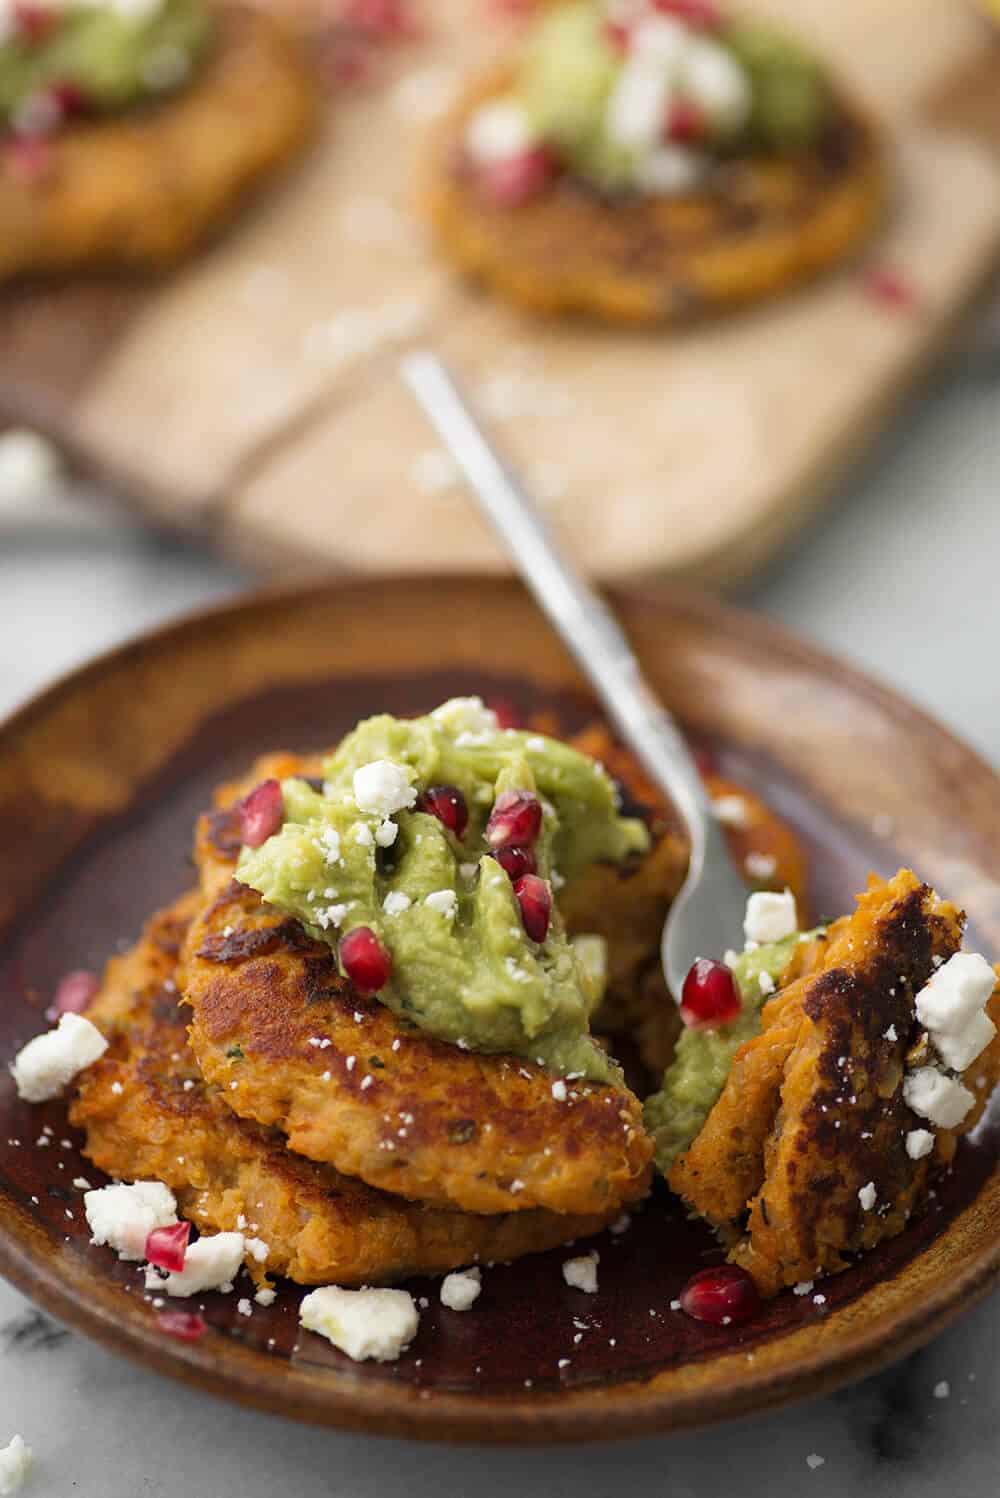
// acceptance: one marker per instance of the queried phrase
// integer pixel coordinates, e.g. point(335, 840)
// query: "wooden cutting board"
point(252, 398)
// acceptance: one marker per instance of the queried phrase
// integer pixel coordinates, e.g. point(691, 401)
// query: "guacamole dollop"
point(694, 1080)
point(111, 55)
point(365, 851)
point(649, 103)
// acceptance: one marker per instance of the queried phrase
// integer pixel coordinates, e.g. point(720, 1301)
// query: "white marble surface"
point(901, 575)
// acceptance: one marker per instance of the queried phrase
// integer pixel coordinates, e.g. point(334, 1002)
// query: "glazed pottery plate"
point(100, 782)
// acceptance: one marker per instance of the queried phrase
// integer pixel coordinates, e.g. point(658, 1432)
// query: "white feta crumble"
point(770, 917)
point(867, 1196)
point(266, 1296)
point(766, 983)
point(47, 1064)
point(210, 1264)
point(731, 811)
point(813, 1461)
point(950, 1007)
point(362, 834)
point(919, 1142)
point(396, 902)
point(581, 1273)
point(804, 1287)
point(257, 1249)
point(376, 1324)
point(933, 1095)
point(496, 132)
point(892, 1035)
point(384, 787)
point(444, 901)
point(15, 1464)
point(461, 1289)
point(942, 1390)
point(244, 1307)
point(124, 1216)
point(466, 715)
point(761, 865)
point(638, 104)
point(559, 1090)
point(716, 83)
point(386, 833)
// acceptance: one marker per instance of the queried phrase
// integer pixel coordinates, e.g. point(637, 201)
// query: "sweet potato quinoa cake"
point(377, 1039)
point(127, 136)
point(648, 161)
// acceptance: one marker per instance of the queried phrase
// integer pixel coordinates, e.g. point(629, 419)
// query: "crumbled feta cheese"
point(383, 787)
point(669, 170)
point(461, 1290)
point(396, 902)
point(377, 1324)
point(244, 1307)
point(257, 1249)
point(732, 811)
point(950, 1007)
point(931, 1094)
point(362, 834)
point(765, 983)
point(15, 1464)
point(714, 81)
point(581, 1273)
point(466, 715)
point(892, 1035)
point(444, 901)
point(47, 1064)
point(265, 1296)
point(760, 865)
point(803, 1287)
point(559, 1090)
point(770, 917)
point(919, 1142)
point(814, 1462)
point(210, 1264)
point(124, 1216)
point(867, 1196)
point(942, 1390)
point(638, 105)
point(496, 132)
point(386, 833)
point(468, 870)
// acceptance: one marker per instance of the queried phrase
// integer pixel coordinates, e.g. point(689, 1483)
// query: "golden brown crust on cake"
point(166, 1124)
point(768, 222)
point(143, 188)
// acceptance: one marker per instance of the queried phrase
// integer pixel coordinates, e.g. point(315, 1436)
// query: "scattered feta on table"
point(15, 1464)
point(124, 1216)
point(210, 1264)
point(581, 1273)
point(770, 916)
point(461, 1289)
point(47, 1064)
point(376, 1324)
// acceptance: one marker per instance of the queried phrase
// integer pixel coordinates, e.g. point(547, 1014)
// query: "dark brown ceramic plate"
point(100, 781)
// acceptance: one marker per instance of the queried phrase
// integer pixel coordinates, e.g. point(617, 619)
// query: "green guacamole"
point(694, 1080)
point(113, 58)
point(463, 967)
point(570, 69)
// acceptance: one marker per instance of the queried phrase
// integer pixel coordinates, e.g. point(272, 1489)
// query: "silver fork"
point(706, 917)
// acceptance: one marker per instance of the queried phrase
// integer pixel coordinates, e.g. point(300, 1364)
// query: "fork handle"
point(580, 616)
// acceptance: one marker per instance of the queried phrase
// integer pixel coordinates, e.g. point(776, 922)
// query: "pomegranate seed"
point(73, 994)
point(685, 122)
point(891, 289)
point(71, 99)
point(617, 36)
point(515, 862)
point(722, 1296)
point(535, 899)
point(703, 13)
point(514, 181)
point(186, 1326)
point(33, 22)
point(261, 813)
point(364, 959)
point(507, 714)
point(515, 821)
point(166, 1248)
point(447, 803)
point(28, 160)
point(385, 19)
point(709, 997)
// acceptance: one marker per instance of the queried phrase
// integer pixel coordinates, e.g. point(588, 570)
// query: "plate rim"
point(592, 1413)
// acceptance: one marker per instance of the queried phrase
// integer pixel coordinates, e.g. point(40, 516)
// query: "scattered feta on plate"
point(49, 1063)
point(950, 1007)
point(15, 1464)
point(461, 1289)
point(124, 1216)
point(383, 787)
point(581, 1273)
point(210, 1264)
point(377, 1324)
point(931, 1094)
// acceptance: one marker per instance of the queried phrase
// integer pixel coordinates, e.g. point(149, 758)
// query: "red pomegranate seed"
point(703, 13)
point(166, 1248)
point(33, 22)
point(515, 862)
point(447, 803)
point(515, 821)
point(364, 959)
point(506, 713)
point(891, 289)
point(617, 36)
point(535, 899)
point(514, 181)
point(71, 99)
point(73, 994)
point(186, 1326)
point(29, 160)
point(709, 997)
point(723, 1296)
point(685, 122)
point(261, 813)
